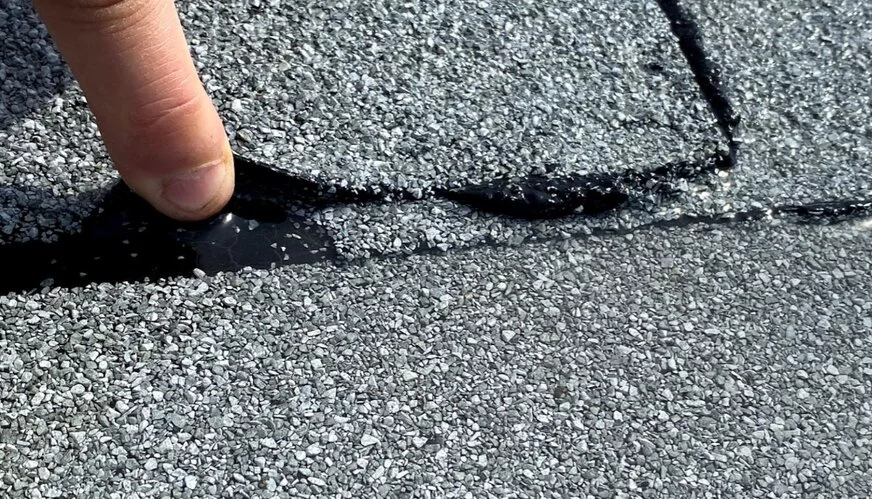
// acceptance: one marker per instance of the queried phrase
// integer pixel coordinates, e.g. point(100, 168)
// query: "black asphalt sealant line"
point(706, 74)
point(127, 240)
point(544, 197)
point(817, 213)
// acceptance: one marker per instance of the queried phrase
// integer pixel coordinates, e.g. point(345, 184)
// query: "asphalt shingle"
point(588, 357)
point(696, 361)
point(798, 73)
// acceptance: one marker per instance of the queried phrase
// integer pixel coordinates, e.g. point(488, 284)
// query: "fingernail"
point(192, 191)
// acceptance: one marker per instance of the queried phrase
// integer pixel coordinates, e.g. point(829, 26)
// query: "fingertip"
point(159, 126)
point(194, 194)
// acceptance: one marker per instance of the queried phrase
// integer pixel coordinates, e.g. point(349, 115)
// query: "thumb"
point(160, 127)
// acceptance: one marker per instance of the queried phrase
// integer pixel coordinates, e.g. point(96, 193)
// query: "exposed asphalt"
point(661, 350)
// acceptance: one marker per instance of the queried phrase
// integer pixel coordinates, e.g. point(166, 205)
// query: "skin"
point(160, 128)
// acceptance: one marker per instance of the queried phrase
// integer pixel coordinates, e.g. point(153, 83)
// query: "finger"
point(160, 127)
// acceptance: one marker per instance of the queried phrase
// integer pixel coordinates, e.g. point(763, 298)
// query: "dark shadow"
point(32, 73)
point(539, 197)
point(265, 223)
point(125, 239)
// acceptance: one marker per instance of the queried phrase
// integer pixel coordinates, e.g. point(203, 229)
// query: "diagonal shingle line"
point(704, 69)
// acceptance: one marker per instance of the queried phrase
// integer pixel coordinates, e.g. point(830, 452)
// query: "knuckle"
point(160, 116)
point(100, 12)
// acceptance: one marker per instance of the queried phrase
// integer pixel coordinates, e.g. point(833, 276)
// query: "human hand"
point(160, 127)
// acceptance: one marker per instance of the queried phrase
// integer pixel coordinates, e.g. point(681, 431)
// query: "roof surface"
point(701, 344)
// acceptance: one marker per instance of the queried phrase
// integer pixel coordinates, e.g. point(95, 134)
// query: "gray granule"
point(429, 92)
point(707, 361)
point(666, 363)
point(798, 72)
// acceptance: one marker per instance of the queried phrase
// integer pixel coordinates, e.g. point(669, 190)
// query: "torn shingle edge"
point(553, 196)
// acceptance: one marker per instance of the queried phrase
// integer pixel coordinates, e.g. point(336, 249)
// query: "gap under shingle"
point(265, 225)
